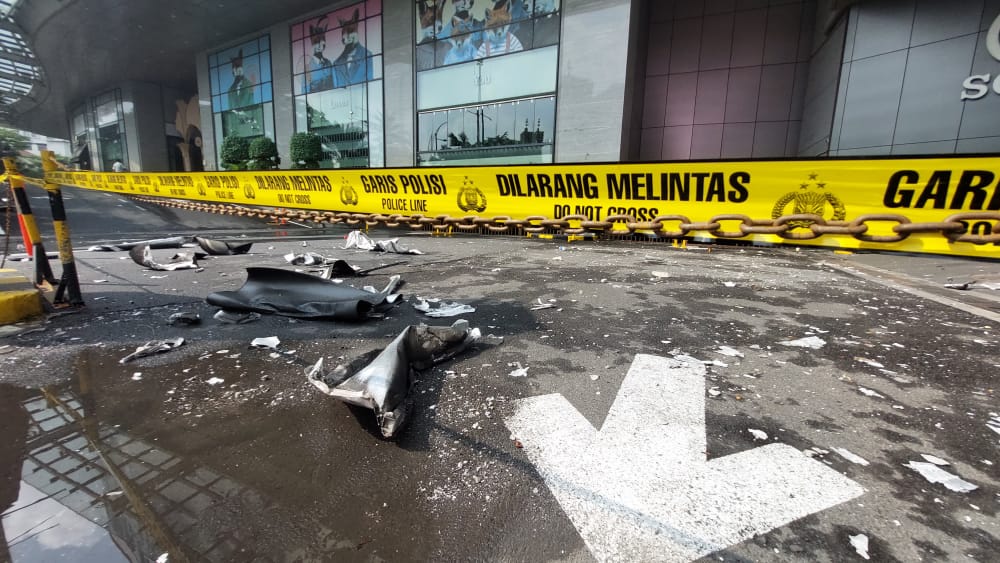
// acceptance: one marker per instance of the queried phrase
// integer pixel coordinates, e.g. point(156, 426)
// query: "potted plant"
point(306, 150)
point(235, 153)
point(263, 154)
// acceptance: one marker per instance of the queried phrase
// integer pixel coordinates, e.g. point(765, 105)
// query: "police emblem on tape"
point(248, 191)
point(811, 198)
point(471, 198)
point(348, 195)
point(201, 189)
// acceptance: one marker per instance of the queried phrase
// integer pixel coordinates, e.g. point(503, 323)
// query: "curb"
point(19, 299)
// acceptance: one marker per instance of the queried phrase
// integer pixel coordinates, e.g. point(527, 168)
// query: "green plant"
point(263, 154)
point(306, 150)
point(235, 153)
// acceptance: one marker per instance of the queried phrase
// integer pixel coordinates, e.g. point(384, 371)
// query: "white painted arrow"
point(642, 489)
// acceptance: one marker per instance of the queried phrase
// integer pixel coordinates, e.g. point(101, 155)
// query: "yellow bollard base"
point(19, 299)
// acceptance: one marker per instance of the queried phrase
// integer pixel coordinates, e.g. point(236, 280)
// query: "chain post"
point(43, 271)
point(69, 285)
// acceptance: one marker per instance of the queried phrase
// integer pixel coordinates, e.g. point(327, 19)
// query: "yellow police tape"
point(923, 190)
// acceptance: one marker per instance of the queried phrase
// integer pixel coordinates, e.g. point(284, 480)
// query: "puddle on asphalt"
point(116, 468)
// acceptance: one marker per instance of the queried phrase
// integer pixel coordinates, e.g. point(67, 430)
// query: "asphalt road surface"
point(715, 403)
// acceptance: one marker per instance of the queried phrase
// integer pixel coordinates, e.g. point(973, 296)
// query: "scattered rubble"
point(357, 239)
point(813, 342)
point(222, 248)
point(155, 244)
point(153, 347)
point(142, 256)
point(184, 319)
point(441, 308)
point(860, 544)
point(935, 474)
point(233, 317)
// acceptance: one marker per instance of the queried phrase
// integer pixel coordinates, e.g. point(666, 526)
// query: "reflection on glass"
point(337, 58)
point(501, 133)
point(340, 118)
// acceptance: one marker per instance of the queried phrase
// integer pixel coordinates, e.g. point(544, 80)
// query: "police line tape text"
point(667, 186)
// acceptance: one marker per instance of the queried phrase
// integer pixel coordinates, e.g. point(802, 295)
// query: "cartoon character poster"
point(465, 30)
point(241, 75)
point(338, 49)
point(241, 82)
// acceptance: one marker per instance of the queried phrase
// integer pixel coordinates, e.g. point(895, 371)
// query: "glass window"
point(517, 132)
point(457, 31)
point(337, 72)
point(241, 84)
point(520, 75)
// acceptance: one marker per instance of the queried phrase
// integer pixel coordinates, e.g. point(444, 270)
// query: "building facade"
point(398, 83)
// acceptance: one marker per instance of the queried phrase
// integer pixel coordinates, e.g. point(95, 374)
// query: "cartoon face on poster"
point(335, 50)
point(241, 76)
point(473, 29)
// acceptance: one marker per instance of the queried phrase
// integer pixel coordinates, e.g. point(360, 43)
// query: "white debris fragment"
point(442, 309)
point(137, 376)
point(935, 474)
point(728, 351)
point(268, 342)
point(714, 391)
point(860, 544)
point(715, 363)
point(870, 393)
point(813, 342)
point(661, 274)
point(163, 558)
point(520, 371)
point(542, 305)
point(872, 363)
point(594, 377)
point(214, 381)
point(757, 434)
point(994, 422)
point(814, 451)
point(729, 284)
point(850, 456)
point(934, 459)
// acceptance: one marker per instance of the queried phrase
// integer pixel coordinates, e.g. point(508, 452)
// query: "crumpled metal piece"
point(296, 294)
point(306, 259)
point(271, 342)
point(442, 308)
point(331, 267)
point(153, 347)
point(171, 242)
point(142, 256)
point(235, 318)
point(222, 248)
point(357, 239)
point(184, 318)
point(384, 384)
point(974, 284)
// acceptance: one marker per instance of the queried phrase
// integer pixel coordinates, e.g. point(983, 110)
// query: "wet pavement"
point(102, 460)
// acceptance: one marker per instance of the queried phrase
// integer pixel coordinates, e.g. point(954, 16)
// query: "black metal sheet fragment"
point(296, 294)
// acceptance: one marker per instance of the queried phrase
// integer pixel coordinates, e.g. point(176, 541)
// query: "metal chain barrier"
point(790, 227)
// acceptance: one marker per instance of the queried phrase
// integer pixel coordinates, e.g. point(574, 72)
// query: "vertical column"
point(69, 285)
point(284, 101)
point(207, 117)
point(43, 271)
point(593, 64)
point(398, 37)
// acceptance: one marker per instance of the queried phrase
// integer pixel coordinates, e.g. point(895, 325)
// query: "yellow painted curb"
point(19, 300)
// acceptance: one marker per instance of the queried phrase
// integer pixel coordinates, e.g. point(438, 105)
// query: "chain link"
point(971, 227)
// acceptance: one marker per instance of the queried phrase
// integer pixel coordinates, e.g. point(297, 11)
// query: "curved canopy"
point(21, 78)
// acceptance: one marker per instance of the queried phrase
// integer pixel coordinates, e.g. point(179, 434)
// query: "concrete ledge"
point(19, 299)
